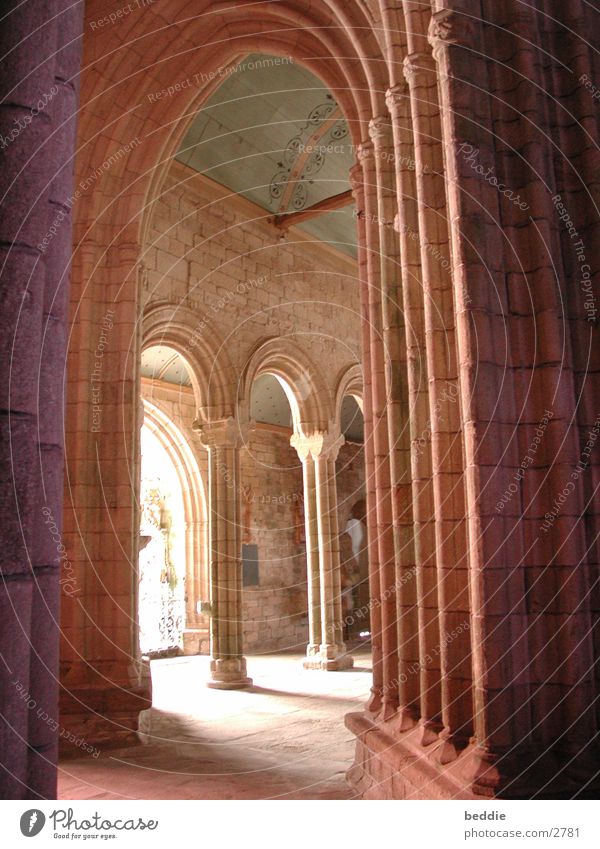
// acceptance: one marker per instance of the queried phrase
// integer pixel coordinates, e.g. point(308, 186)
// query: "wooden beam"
point(290, 219)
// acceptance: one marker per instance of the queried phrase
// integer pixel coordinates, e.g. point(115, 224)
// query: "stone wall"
point(216, 257)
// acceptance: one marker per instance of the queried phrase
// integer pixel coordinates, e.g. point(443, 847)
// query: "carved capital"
point(302, 444)
point(365, 150)
point(448, 27)
point(222, 433)
point(318, 445)
point(396, 97)
point(356, 180)
point(418, 67)
point(380, 131)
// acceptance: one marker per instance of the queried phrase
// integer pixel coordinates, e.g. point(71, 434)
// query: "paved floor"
point(283, 738)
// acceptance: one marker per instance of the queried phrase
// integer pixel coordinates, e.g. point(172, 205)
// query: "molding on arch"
point(211, 372)
point(350, 383)
point(301, 379)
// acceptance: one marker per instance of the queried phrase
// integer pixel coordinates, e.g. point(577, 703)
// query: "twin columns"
point(224, 440)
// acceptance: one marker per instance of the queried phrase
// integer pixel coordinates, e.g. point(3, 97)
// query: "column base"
point(95, 719)
point(393, 761)
point(196, 641)
point(228, 674)
point(328, 658)
point(99, 706)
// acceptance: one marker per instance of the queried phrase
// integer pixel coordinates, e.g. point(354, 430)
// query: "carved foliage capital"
point(321, 444)
point(222, 433)
point(380, 129)
point(365, 150)
point(395, 97)
point(448, 27)
point(418, 67)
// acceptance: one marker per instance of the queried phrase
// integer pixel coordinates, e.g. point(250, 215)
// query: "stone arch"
point(332, 32)
point(350, 383)
point(211, 372)
point(300, 378)
point(194, 502)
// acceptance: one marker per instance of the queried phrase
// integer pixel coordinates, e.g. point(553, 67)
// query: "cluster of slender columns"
point(318, 453)
point(466, 668)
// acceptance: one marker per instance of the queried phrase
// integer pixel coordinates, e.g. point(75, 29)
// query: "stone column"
point(100, 652)
point(320, 480)
point(41, 48)
point(398, 573)
point(501, 698)
point(453, 646)
point(333, 651)
point(425, 683)
point(385, 565)
point(357, 180)
point(302, 446)
point(223, 440)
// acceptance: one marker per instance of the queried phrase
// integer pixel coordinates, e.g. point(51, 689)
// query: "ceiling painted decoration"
point(164, 363)
point(268, 402)
point(274, 133)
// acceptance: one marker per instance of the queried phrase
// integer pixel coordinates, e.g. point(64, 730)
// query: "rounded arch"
point(350, 383)
point(197, 342)
point(194, 502)
point(307, 391)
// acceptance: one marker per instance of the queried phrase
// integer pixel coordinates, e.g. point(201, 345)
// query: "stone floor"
point(284, 738)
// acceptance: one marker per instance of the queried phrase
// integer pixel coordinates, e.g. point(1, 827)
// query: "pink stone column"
point(100, 636)
point(228, 665)
point(551, 340)
point(454, 643)
point(501, 712)
point(357, 179)
point(380, 435)
point(399, 575)
point(41, 46)
point(428, 674)
point(332, 656)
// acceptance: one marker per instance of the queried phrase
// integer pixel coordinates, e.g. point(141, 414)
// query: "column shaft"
point(312, 556)
point(454, 644)
point(382, 473)
point(399, 590)
point(357, 181)
point(427, 666)
point(228, 666)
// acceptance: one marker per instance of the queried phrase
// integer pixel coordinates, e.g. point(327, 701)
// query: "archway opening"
point(226, 273)
point(173, 515)
point(273, 553)
point(162, 560)
point(354, 559)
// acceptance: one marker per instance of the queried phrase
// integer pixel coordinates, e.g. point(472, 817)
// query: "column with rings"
point(223, 440)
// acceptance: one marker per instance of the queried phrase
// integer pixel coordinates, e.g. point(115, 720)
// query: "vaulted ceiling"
point(273, 133)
